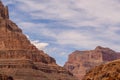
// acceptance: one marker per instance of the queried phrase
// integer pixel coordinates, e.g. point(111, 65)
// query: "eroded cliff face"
point(5, 77)
point(108, 71)
point(21, 59)
point(80, 62)
point(14, 44)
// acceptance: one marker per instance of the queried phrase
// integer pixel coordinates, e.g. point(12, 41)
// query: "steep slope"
point(21, 59)
point(108, 71)
point(80, 62)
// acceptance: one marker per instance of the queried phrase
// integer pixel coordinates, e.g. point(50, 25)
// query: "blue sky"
point(60, 27)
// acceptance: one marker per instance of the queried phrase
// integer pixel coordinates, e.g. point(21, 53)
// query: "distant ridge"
point(79, 62)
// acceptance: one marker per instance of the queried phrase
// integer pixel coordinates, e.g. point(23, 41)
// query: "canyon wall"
point(80, 62)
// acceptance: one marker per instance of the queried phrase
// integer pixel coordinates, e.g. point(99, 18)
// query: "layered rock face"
point(21, 59)
point(80, 62)
point(108, 71)
point(5, 77)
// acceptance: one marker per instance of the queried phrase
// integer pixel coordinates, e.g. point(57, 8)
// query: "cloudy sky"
point(60, 27)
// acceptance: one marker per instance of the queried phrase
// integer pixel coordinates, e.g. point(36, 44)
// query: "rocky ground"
point(108, 71)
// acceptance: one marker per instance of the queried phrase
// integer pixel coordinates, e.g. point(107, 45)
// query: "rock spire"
point(3, 11)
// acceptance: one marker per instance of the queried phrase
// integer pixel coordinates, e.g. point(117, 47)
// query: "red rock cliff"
point(108, 71)
point(21, 59)
point(79, 62)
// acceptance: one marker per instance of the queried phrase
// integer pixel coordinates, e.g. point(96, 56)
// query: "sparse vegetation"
point(109, 71)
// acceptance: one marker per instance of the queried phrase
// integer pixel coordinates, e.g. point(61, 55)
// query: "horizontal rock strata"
point(79, 62)
point(21, 59)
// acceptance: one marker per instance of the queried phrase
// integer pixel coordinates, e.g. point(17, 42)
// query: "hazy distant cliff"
point(79, 62)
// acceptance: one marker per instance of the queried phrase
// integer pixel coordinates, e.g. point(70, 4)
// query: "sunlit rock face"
point(80, 62)
point(21, 59)
point(108, 71)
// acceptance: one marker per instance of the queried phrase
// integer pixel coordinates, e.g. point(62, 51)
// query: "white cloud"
point(87, 40)
point(103, 36)
point(40, 45)
point(31, 25)
point(73, 12)
point(76, 13)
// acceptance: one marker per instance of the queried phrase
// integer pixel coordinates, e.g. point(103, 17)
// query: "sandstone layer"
point(80, 62)
point(108, 71)
point(21, 59)
point(5, 77)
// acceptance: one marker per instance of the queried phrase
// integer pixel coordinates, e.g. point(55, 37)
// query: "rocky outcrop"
point(3, 11)
point(80, 62)
point(21, 59)
point(108, 71)
point(5, 77)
